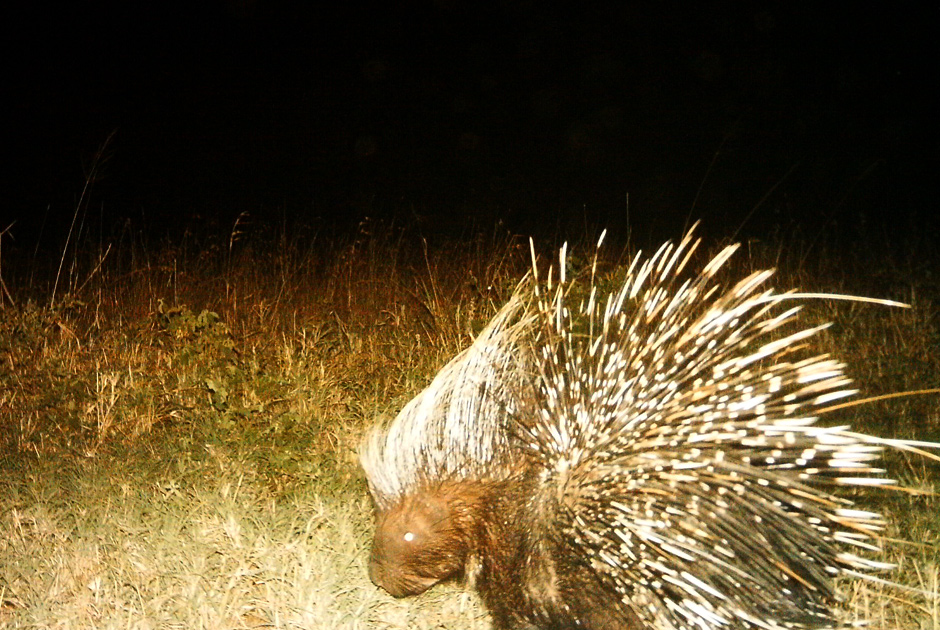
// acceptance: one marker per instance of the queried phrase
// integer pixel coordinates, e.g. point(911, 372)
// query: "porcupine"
point(646, 460)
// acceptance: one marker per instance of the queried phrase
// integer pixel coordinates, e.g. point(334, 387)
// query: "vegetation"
point(178, 425)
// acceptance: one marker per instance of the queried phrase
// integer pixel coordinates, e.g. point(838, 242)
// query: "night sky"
point(540, 115)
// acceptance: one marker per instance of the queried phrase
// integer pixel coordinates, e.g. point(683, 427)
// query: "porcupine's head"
point(425, 468)
point(426, 538)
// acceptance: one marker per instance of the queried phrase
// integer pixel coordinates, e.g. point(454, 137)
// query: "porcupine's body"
point(647, 460)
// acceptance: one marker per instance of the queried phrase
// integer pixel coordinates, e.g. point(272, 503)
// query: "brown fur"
point(488, 533)
point(427, 538)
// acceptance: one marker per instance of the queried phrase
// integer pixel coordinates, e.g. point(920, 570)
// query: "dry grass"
point(178, 432)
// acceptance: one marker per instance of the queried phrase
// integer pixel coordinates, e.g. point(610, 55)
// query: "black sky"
point(452, 110)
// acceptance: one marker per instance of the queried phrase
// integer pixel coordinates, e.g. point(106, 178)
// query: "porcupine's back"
point(673, 425)
point(654, 464)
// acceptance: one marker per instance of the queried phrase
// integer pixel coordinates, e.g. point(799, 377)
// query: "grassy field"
point(179, 423)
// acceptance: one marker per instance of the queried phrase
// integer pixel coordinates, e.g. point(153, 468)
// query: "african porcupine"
point(646, 461)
